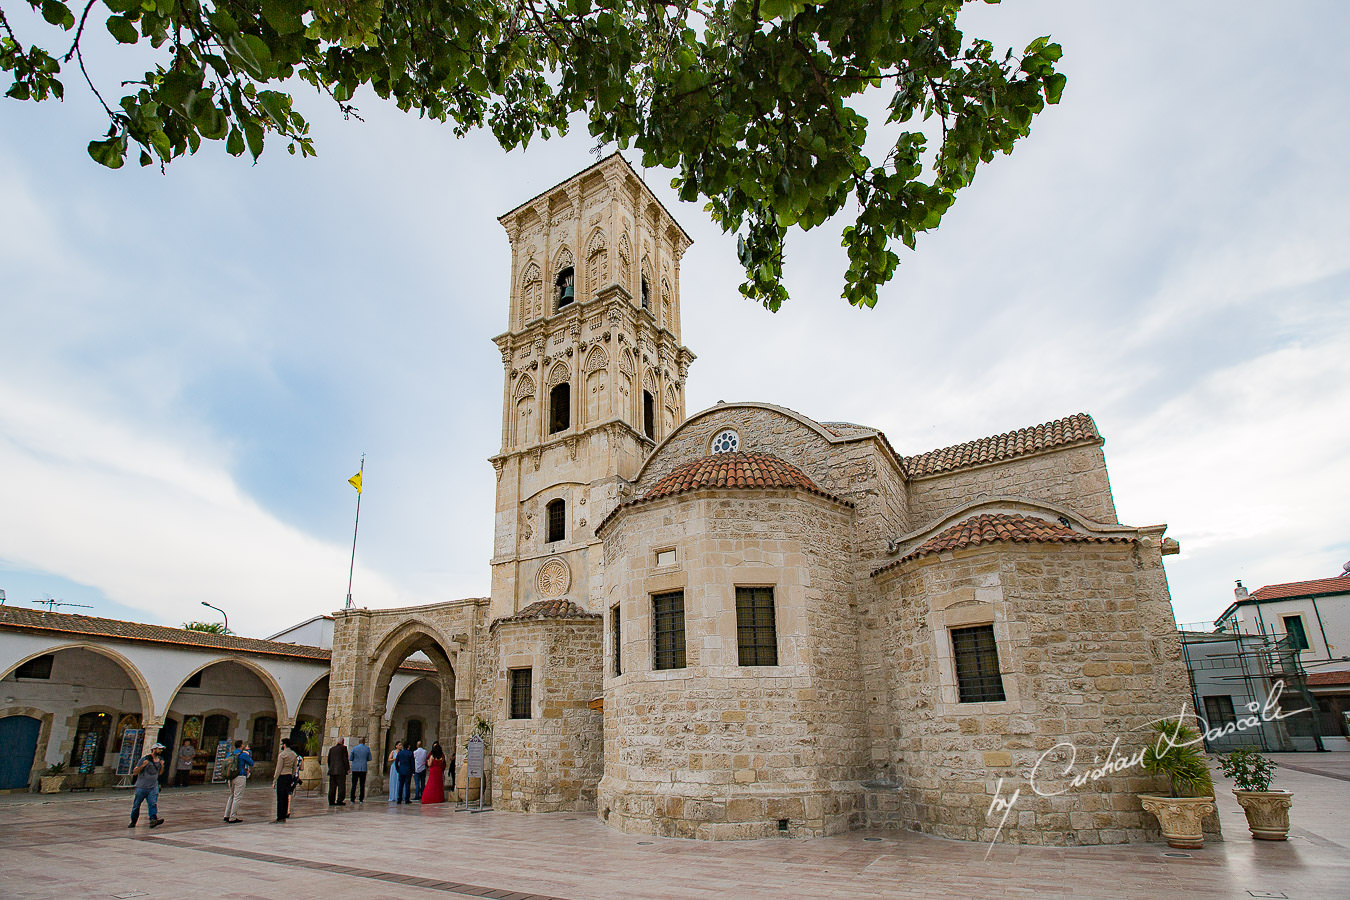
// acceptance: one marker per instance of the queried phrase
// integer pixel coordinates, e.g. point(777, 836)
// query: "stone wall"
point(717, 750)
point(1074, 477)
point(551, 761)
point(1088, 654)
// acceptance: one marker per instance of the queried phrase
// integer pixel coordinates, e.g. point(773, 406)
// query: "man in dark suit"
point(404, 762)
point(338, 766)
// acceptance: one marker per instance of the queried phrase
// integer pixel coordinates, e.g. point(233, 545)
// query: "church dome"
point(733, 470)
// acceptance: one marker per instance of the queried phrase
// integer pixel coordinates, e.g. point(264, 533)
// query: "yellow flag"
point(355, 481)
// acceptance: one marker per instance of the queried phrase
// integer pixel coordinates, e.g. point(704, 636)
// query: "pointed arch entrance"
point(413, 682)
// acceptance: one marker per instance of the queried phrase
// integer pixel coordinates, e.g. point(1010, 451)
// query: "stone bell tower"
point(594, 375)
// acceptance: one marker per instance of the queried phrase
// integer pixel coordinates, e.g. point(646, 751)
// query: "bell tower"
point(594, 375)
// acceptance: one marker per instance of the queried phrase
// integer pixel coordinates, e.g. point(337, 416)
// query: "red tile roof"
point(1315, 588)
point(990, 528)
point(1325, 678)
point(1076, 429)
point(729, 471)
point(17, 618)
point(551, 609)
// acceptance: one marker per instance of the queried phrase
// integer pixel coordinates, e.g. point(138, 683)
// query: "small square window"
point(976, 656)
point(194, 680)
point(520, 693)
point(665, 557)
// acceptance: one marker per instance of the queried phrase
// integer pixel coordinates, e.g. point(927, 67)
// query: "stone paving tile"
point(82, 847)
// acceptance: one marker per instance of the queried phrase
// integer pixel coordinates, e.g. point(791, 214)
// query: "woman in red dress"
point(434, 792)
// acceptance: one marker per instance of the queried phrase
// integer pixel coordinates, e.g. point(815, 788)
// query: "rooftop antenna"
point(1345, 570)
point(599, 148)
point(2, 597)
point(52, 603)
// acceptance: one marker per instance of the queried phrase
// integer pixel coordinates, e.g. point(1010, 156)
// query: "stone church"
point(745, 622)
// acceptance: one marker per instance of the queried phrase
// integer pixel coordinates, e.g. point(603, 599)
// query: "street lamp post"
point(222, 612)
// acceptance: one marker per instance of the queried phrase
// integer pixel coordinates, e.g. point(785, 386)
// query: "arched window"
point(646, 294)
point(560, 408)
point(648, 415)
point(566, 286)
point(557, 520)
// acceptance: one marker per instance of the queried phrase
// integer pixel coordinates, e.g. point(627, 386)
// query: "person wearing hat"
point(147, 786)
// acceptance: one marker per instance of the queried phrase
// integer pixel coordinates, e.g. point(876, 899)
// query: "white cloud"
point(156, 523)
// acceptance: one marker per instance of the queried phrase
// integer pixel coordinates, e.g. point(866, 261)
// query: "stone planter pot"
point(1267, 813)
point(1180, 818)
point(311, 773)
point(52, 784)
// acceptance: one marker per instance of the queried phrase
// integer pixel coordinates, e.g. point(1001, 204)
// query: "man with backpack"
point(147, 786)
point(238, 765)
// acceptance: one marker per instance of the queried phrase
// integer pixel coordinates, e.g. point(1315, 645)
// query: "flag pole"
point(352, 568)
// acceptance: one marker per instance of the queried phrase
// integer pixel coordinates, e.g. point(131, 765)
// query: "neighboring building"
point(1312, 620)
point(1233, 677)
point(748, 622)
point(73, 684)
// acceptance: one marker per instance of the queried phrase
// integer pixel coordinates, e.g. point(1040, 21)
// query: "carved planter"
point(1267, 813)
point(52, 784)
point(1180, 818)
point(310, 773)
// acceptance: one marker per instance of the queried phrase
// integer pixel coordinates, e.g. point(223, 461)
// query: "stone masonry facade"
point(747, 623)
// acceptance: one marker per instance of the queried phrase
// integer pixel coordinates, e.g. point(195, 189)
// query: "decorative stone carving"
point(1180, 818)
point(553, 578)
point(1267, 813)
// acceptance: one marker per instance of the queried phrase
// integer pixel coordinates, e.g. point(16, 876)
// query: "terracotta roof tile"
point(1076, 429)
point(729, 471)
point(1325, 678)
point(40, 620)
point(551, 609)
point(20, 619)
point(1315, 588)
point(990, 528)
point(732, 470)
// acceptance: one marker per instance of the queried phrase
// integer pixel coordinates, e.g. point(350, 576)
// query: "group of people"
point(415, 775)
point(418, 776)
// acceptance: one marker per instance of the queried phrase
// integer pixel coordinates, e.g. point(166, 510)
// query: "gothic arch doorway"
point(414, 682)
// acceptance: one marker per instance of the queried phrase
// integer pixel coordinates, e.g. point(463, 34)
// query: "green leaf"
point(234, 144)
point(1054, 87)
point(57, 13)
point(122, 28)
point(253, 133)
point(109, 153)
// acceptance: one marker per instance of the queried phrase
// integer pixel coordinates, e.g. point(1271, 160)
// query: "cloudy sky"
point(193, 363)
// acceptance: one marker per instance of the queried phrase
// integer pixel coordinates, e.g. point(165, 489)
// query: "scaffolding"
point(1251, 666)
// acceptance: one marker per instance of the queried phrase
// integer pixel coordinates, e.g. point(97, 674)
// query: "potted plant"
point(1176, 754)
point(53, 778)
point(1267, 811)
point(311, 773)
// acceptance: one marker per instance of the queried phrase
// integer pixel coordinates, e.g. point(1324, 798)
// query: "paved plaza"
point(79, 845)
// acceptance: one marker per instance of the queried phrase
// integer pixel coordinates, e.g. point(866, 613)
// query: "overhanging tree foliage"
point(755, 103)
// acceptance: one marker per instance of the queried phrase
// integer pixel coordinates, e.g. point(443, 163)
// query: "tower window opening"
point(557, 520)
point(646, 294)
point(566, 285)
point(648, 415)
point(560, 408)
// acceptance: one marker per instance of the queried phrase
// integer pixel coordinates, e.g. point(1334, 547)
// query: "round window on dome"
point(726, 441)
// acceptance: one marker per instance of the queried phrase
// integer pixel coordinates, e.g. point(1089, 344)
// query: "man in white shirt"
point(419, 770)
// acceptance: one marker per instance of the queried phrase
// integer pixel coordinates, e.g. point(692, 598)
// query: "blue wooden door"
point(18, 745)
